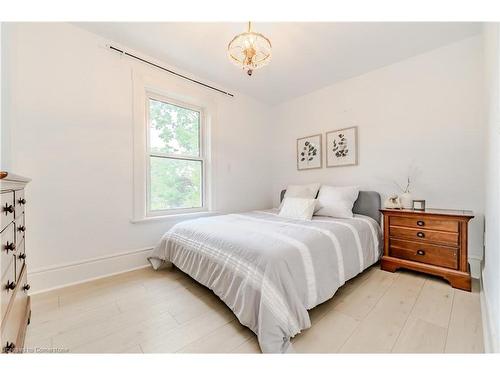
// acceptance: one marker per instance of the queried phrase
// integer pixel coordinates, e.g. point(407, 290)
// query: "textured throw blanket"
point(270, 270)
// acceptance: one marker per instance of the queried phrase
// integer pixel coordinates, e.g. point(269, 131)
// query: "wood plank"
point(381, 327)
point(362, 300)
point(167, 311)
point(318, 312)
point(434, 302)
point(129, 337)
point(465, 332)
point(250, 346)
point(420, 336)
point(426, 329)
point(187, 333)
point(327, 335)
point(223, 340)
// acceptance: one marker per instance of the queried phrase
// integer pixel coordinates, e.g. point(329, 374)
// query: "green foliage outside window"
point(174, 183)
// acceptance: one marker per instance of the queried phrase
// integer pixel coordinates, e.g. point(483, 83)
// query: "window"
point(176, 162)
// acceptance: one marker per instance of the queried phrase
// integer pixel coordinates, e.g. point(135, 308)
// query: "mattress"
point(271, 270)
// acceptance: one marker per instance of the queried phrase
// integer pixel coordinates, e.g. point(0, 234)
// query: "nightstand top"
point(428, 211)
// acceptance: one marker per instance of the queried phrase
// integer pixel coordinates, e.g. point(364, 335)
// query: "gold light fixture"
point(249, 50)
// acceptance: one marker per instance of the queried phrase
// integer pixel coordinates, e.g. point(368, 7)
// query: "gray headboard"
point(368, 203)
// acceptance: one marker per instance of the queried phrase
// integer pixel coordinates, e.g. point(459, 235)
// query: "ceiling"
point(306, 56)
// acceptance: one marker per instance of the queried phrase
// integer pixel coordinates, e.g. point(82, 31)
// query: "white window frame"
point(175, 92)
point(149, 154)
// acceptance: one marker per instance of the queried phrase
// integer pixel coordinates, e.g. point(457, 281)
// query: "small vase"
point(406, 200)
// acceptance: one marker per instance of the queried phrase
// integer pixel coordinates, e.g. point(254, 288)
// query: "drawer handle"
point(21, 228)
point(26, 287)
point(421, 234)
point(420, 223)
point(22, 256)
point(22, 201)
point(11, 246)
point(9, 347)
point(11, 285)
point(420, 252)
point(8, 209)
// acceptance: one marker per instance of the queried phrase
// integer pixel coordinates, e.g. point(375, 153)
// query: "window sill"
point(174, 217)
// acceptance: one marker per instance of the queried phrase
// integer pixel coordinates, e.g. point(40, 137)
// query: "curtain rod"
point(169, 71)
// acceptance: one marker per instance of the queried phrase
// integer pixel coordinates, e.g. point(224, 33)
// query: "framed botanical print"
point(309, 154)
point(342, 147)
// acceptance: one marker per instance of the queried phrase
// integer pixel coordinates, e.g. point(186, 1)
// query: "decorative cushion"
point(337, 201)
point(301, 191)
point(298, 208)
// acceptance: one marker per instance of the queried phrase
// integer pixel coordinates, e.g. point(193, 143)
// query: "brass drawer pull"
point(420, 223)
point(8, 209)
point(420, 252)
point(421, 234)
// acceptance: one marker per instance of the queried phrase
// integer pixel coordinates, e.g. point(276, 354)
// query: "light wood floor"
point(166, 311)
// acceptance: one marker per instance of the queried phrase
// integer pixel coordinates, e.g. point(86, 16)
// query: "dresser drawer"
point(20, 258)
point(6, 293)
point(20, 228)
point(425, 223)
point(7, 209)
point(448, 238)
point(16, 317)
point(7, 246)
point(20, 202)
point(424, 253)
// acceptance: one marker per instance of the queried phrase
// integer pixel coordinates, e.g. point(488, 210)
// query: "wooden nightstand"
point(431, 241)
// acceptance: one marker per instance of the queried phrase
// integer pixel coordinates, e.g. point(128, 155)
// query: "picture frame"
point(309, 152)
point(418, 205)
point(342, 147)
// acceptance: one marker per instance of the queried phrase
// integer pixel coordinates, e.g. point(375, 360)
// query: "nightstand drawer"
point(448, 238)
point(425, 223)
point(424, 253)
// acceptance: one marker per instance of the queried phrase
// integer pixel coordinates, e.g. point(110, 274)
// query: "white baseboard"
point(491, 344)
point(475, 267)
point(62, 275)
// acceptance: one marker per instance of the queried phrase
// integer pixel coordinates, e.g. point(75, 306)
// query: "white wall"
point(491, 270)
point(4, 100)
point(423, 114)
point(70, 119)
point(71, 131)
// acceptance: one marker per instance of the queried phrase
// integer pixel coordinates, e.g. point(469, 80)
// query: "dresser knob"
point(21, 228)
point(22, 256)
point(11, 246)
point(9, 347)
point(420, 252)
point(21, 201)
point(26, 287)
point(8, 209)
point(11, 285)
point(421, 234)
point(420, 223)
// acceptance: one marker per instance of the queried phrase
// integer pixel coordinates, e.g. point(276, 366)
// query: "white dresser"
point(14, 300)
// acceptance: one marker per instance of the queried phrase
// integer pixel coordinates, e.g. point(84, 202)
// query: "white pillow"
point(298, 208)
point(302, 191)
point(337, 201)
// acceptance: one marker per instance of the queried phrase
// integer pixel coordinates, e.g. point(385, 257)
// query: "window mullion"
point(179, 157)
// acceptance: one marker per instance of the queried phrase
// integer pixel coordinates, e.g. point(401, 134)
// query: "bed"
point(271, 270)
